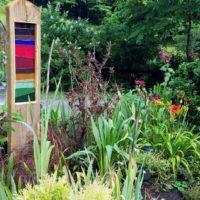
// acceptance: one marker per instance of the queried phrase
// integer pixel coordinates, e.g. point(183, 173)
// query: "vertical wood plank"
point(22, 11)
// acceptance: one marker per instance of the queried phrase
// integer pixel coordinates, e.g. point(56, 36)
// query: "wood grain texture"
point(24, 12)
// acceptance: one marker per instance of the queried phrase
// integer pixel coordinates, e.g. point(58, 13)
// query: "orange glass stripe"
point(25, 76)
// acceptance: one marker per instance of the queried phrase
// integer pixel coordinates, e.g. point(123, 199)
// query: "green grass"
point(2, 13)
point(2, 108)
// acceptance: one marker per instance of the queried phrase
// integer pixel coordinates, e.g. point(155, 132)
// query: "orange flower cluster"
point(175, 109)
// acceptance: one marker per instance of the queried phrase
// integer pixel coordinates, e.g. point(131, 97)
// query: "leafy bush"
point(49, 188)
point(157, 167)
point(94, 191)
point(57, 25)
point(193, 193)
point(115, 133)
point(187, 79)
point(177, 146)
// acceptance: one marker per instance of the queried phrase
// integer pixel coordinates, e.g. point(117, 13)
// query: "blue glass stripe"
point(25, 85)
point(25, 42)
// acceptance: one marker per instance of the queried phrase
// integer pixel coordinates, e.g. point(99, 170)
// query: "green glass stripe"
point(25, 85)
point(25, 98)
point(24, 91)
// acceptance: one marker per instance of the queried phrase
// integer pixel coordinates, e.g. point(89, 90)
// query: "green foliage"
point(95, 191)
point(136, 29)
point(5, 123)
point(116, 136)
point(57, 26)
point(193, 193)
point(48, 188)
point(7, 185)
point(42, 151)
point(92, 10)
point(180, 185)
point(168, 72)
point(156, 167)
point(2, 65)
point(187, 79)
point(125, 190)
point(68, 187)
point(177, 144)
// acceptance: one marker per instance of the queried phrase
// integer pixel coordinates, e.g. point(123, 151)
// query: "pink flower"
point(154, 97)
point(140, 83)
point(165, 57)
point(195, 54)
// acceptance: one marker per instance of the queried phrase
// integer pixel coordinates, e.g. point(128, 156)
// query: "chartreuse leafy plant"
point(85, 186)
point(95, 191)
point(49, 188)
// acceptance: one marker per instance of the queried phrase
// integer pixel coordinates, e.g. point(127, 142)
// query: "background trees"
point(137, 29)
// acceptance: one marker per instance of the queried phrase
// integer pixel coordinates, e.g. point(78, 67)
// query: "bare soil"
point(150, 192)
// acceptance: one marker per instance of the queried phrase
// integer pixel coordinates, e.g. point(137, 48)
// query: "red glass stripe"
point(22, 62)
point(27, 51)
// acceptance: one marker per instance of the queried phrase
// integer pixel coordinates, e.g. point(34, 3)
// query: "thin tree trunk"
point(188, 44)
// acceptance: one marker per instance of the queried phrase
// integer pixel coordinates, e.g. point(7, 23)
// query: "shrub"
point(56, 25)
point(49, 188)
point(52, 188)
point(193, 193)
point(158, 168)
point(187, 78)
point(95, 191)
point(177, 146)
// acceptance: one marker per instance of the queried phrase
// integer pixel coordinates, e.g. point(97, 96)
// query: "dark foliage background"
point(137, 29)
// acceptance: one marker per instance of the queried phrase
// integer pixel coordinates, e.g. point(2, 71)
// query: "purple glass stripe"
point(24, 25)
point(24, 32)
point(25, 37)
point(25, 70)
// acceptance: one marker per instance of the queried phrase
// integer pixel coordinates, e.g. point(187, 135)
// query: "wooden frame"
point(22, 11)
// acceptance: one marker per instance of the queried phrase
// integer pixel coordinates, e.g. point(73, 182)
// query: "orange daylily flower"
point(159, 102)
point(175, 109)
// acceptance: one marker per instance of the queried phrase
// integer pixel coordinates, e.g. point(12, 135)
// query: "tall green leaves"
point(115, 136)
point(108, 136)
point(43, 149)
point(7, 185)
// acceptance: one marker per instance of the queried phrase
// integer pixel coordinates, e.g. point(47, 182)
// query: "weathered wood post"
point(23, 68)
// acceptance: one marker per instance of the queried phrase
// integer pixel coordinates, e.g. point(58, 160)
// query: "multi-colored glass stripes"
point(25, 62)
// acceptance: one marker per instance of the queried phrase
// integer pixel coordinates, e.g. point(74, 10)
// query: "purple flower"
point(154, 97)
point(140, 83)
point(151, 97)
